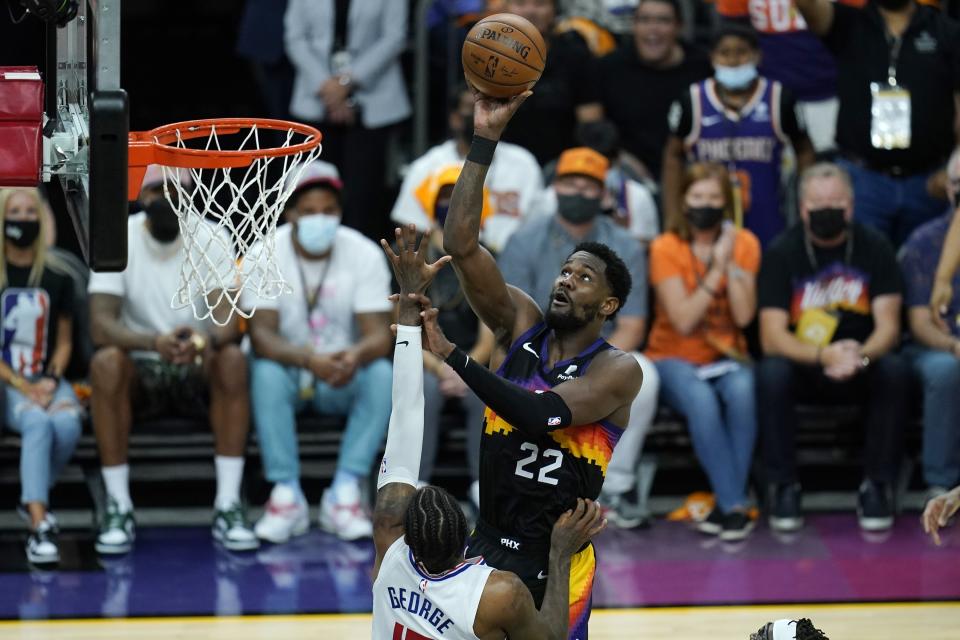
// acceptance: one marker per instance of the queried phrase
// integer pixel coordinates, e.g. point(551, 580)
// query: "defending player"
point(423, 587)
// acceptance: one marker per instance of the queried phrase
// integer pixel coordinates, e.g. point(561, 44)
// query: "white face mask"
point(738, 77)
point(317, 231)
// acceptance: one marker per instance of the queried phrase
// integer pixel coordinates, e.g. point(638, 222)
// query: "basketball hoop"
point(229, 202)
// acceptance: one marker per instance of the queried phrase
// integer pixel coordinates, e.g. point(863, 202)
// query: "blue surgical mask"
point(316, 231)
point(736, 78)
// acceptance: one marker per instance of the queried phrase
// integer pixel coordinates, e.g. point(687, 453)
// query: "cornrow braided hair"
point(436, 529)
point(806, 631)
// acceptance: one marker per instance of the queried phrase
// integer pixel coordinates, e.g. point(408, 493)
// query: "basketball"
point(503, 55)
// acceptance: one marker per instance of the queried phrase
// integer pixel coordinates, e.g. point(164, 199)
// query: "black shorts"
point(165, 390)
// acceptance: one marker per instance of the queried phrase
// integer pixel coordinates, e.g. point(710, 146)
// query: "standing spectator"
point(260, 40)
point(156, 361)
point(323, 346)
point(567, 92)
point(742, 120)
point(899, 86)
point(703, 270)
point(348, 80)
point(829, 321)
point(935, 351)
point(641, 79)
point(514, 179)
point(527, 263)
point(36, 306)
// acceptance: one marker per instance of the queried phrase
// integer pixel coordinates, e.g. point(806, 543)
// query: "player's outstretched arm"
point(507, 606)
point(499, 307)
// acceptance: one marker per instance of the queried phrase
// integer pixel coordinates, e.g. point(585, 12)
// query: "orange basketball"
point(503, 55)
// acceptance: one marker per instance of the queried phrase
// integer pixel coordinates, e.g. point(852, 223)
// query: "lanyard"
point(895, 43)
point(812, 256)
point(311, 300)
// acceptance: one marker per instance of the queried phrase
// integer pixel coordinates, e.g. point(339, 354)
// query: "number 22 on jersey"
point(544, 474)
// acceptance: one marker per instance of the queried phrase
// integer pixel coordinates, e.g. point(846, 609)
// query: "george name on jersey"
point(419, 605)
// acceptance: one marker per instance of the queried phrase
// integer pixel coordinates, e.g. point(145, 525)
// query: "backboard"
point(85, 137)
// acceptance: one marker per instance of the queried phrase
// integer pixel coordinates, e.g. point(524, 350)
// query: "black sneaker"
point(713, 524)
point(874, 510)
point(737, 525)
point(784, 510)
point(42, 545)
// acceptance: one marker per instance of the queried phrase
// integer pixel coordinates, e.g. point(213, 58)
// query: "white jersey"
point(409, 604)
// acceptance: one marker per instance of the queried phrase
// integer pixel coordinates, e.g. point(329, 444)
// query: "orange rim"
point(154, 146)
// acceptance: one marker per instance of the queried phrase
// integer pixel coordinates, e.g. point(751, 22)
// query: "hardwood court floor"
point(894, 621)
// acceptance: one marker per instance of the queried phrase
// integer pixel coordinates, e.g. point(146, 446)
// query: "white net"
point(228, 221)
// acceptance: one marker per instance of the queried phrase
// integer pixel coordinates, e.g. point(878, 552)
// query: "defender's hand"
point(491, 115)
point(433, 339)
point(410, 267)
point(576, 527)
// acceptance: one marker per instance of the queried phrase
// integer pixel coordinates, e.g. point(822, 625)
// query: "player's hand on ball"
point(576, 527)
point(491, 115)
point(938, 512)
point(409, 264)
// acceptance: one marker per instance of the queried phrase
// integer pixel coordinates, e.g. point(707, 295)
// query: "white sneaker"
point(42, 545)
point(117, 530)
point(343, 515)
point(230, 529)
point(285, 517)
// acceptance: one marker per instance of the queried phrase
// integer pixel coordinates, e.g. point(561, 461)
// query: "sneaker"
point(343, 515)
point(230, 529)
point(737, 525)
point(713, 524)
point(117, 530)
point(48, 518)
point(622, 512)
point(874, 511)
point(785, 513)
point(42, 545)
point(285, 516)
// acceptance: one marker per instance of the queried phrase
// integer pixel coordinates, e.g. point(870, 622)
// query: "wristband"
point(481, 150)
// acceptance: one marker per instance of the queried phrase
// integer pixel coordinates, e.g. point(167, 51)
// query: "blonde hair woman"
point(36, 300)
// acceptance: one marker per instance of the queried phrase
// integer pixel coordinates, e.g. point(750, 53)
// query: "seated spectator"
point(323, 346)
point(742, 120)
point(642, 78)
point(703, 270)
point(567, 92)
point(528, 263)
point(830, 296)
point(514, 178)
point(36, 299)
point(154, 361)
point(934, 352)
point(463, 328)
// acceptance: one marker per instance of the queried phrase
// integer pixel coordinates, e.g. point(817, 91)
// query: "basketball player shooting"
point(561, 395)
point(423, 587)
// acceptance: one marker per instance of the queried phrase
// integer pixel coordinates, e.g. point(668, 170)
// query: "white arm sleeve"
point(401, 457)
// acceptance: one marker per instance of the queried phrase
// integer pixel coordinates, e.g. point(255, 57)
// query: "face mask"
point(440, 214)
point(317, 231)
point(164, 225)
point(893, 5)
point(827, 223)
point(704, 217)
point(21, 233)
point(577, 209)
point(735, 78)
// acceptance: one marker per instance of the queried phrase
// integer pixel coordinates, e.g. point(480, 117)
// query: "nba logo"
point(423, 585)
point(553, 422)
point(491, 69)
point(26, 316)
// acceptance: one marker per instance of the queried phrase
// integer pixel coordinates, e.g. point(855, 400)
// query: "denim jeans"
point(275, 399)
point(722, 418)
point(939, 375)
point(49, 437)
point(894, 206)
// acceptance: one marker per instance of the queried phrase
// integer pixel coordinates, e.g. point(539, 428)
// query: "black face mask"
point(827, 223)
point(164, 226)
point(21, 233)
point(577, 209)
point(893, 5)
point(704, 217)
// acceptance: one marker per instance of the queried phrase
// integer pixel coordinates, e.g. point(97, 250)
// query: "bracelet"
point(481, 150)
point(703, 285)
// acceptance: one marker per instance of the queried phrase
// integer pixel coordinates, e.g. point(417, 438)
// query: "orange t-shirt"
point(671, 256)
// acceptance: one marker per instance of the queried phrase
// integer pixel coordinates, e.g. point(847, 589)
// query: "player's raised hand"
point(576, 527)
point(409, 264)
point(491, 115)
point(938, 512)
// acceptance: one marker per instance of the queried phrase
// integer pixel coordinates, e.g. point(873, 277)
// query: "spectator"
point(322, 347)
point(898, 66)
point(566, 94)
point(935, 351)
point(155, 361)
point(795, 57)
point(36, 299)
point(348, 80)
point(829, 321)
point(742, 120)
point(463, 328)
point(527, 263)
point(642, 78)
point(703, 270)
point(260, 40)
point(514, 179)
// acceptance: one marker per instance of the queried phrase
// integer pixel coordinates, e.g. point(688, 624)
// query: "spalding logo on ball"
point(503, 55)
